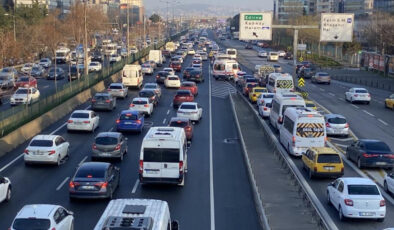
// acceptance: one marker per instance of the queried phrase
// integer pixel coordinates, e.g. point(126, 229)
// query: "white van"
point(225, 69)
point(280, 83)
point(163, 157)
point(280, 103)
point(62, 55)
point(302, 128)
point(232, 53)
point(273, 56)
point(137, 214)
point(132, 76)
point(156, 55)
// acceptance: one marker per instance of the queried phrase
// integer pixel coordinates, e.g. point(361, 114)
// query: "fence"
point(15, 117)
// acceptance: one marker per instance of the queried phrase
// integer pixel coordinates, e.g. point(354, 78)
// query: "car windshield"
point(115, 87)
point(128, 116)
point(362, 190)
point(106, 140)
point(161, 155)
point(41, 143)
point(361, 91)
point(188, 106)
point(146, 94)
point(328, 158)
point(377, 146)
point(323, 74)
point(22, 79)
point(22, 91)
point(80, 115)
point(337, 120)
point(31, 224)
point(140, 102)
point(260, 90)
point(90, 172)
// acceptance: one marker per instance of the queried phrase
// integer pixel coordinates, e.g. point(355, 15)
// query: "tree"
point(155, 18)
point(379, 32)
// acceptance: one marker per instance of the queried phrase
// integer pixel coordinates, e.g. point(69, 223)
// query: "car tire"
point(380, 219)
point(328, 198)
point(351, 100)
point(310, 174)
point(359, 163)
point(341, 216)
point(8, 195)
point(385, 187)
point(58, 160)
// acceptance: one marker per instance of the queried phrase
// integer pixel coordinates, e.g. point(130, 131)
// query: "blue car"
point(130, 121)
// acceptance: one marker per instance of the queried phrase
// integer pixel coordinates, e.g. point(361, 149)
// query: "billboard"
point(255, 26)
point(336, 27)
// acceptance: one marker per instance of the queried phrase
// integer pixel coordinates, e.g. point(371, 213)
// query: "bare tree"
point(379, 32)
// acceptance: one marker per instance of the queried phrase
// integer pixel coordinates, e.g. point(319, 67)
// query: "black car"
point(74, 73)
point(38, 71)
point(186, 71)
point(56, 73)
point(161, 76)
point(370, 153)
point(288, 56)
point(195, 75)
point(97, 57)
point(151, 94)
point(94, 180)
point(249, 46)
point(306, 73)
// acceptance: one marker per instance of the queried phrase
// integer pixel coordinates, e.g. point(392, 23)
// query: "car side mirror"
point(126, 138)
point(331, 184)
point(70, 213)
point(174, 225)
point(2, 180)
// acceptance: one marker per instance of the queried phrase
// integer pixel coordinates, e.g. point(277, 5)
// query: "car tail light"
point(355, 95)
point(180, 166)
point(138, 121)
point(26, 151)
point(86, 122)
point(328, 125)
point(101, 184)
point(53, 228)
point(347, 125)
point(108, 89)
point(265, 108)
point(293, 139)
point(382, 203)
point(72, 184)
point(342, 169)
point(254, 95)
point(117, 121)
point(117, 147)
point(366, 155)
point(51, 152)
point(369, 95)
point(188, 128)
point(348, 202)
point(391, 156)
point(146, 105)
point(94, 146)
point(132, 105)
point(157, 76)
point(108, 101)
point(280, 120)
point(93, 100)
point(141, 169)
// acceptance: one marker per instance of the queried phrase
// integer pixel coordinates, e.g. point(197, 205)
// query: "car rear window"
point(362, 190)
point(128, 117)
point(80, 115)
point(41, 143)
point(106, 140)
point(140, 102)
point(310, 105)
point(161, 155)
point(188, 107)
point(260, 90)
point(150, 87)
point(268, 96)
point(23, 79)
point(187, 84)
point(90, 172)
point(183, 93)
point(328, 158)
point(115, 87)
point(146, 93)
point(31, 224)
point(377, 146)
point(337, 120)
point(361, 91)
point(269, 105)
point(163, 74)
point(173, 78)
point(21, 91)
point(323, 74)
point(180, 124)
point(101, 97)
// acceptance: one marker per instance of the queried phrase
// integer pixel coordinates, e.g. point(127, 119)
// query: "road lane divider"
point(211, 184)
point(61, 184)
point(137, 182)
point(83, 160)
point(370, 114)
point(383, 122)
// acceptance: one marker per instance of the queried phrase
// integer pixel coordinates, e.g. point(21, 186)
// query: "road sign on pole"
point(336, 27)
point(301, 59)
point(301, 82)
point(255, 26)
point(301, 47)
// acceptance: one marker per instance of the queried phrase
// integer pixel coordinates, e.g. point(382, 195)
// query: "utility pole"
point(128, 31)
point(85, 47)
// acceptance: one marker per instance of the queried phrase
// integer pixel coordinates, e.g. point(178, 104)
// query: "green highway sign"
point(253, 17)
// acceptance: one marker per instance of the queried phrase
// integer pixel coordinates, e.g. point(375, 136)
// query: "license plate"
point(88, 187)
point(105, 154)
point(38, 153)
point(78, 123)
point(367, 213)
point(152, 171)
point(128, 123)
point(381, 163)
point(329, 168)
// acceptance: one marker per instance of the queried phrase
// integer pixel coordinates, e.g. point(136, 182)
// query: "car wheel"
point(341, 216)
point(380, 219)
point(351, 100)
point(328, 198)
point(310, 174)
point(8, 196)
point(367, 102)
point(385, 186)
point(58, 160)
point(359, 163)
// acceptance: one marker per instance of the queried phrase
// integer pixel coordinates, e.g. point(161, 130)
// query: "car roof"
point(82, 111)
point(140, 99)
point(357, 180)
point(359, 88)
point(115, 84)
point(108, 134)
point(324, 150)
point(331, 115)
point(45, 137)
point(180, 119)
point(95, 165)
point(150, 83)
point(42, 211)
point(130, 112)
point(189, 103)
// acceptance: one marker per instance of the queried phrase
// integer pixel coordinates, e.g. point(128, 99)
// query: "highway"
point(216, 193)
point(366, 121)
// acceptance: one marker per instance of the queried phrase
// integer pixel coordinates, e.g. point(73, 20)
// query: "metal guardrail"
point(17, 116)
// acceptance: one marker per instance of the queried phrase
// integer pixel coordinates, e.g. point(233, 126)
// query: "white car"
point(197, 66)
point(26, 68)
point(25, 96)
point(197, 57)
point(356, 197)
point(172, 81)
point(142, 105)
point(5, 189)
point(45, 62)
point(147, 69)
point(170, 71)
point(358, 95)
point(95, 66)
point(265, 107)
point(388, 183)
point(46, 149)
point(118, 90)
point(115, 58)
point(190, 110)
point(262, 54)
point(282, 53)
point(43, 216)
point(83, 120)
point(191, 52)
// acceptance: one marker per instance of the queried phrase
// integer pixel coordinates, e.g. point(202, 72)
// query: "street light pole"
point(14, 23)
point(128, 31)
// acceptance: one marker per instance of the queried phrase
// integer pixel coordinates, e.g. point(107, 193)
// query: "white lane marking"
point(168, 112)
point(44, 87)
point(331, 94)
point(61, 185)
point(83, 160)
point(370, 114)
point(355, 106)
point(211, 190)
point(341, 99)
point(171, 104)
point(13, 161)
point(322, 89)
point(137, 182)
point(110, 130)
point(164, 121)
point(385, 123)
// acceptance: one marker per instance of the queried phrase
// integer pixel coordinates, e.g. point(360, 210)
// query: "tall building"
point(384, 5)
point(358, 7)
point(287, 9)
point(136, 8)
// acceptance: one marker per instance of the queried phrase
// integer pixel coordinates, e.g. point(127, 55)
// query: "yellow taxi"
point(310, 105)
point(322, 162)
point(255, 93)
point(389, 102)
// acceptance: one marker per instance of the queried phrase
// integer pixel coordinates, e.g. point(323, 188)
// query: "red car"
point(189, 85)
point(182, 96)
point(176, 66)
point(26, 82)
point(248, 87)
point(183, 123)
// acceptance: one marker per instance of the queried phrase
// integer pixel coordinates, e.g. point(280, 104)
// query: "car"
point(176, 66)
point(130, 121)
point(282, 53)
point(189, 85)
point(197, 66)
point(25, 96)
point(169, 70)
point(389, 102)
point(109, 145)
point(184, 123)
point(45, 62)
point(26, 68)
point(5, 189)
point(321, 77)
point(114, 58)
point(83, 120)
point(152, 63)
point(43, 216)
point(153, 86)
point(248, 46)
point(94, 180)
point(38, 72)
point(358, 95)
point(191, 110)
point(305, 72)
point(336, 125)
point(191, 52)
point(177, 58)
point(197, 56)
point(52, 149)
point(322, 162)
point(182, 96)
point(118, 90)
point(265, 108)
point(248, 88)
point(370, 153)
point(97, 57)
point(262, 54)
point(7, 77)
point(255, 92)
point(95, 66)
point(26, 82)
point(74, 73)
point(161, 77)
point(56, 73)
point(123, 52)
point(310, 105)
point(388, 183)
point(146, 68)
point(356, 197)
point(264, 96)
point(142, 105)
point(288, 56)
point(151, 95)
point(172, 81)
point(103, 101)
point(186, 72)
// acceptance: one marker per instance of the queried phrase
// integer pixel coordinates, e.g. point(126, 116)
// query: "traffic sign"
point(301, 59)
point(336, 27)
point(301, 47)
point(255, 26)
point(304, 95)
point(301, 82)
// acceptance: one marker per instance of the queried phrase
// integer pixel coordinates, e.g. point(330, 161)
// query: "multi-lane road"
point(216, 192)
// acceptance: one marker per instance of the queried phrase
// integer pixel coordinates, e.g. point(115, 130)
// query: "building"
point(358, 7)
point(287, 9)
point(136, 8)
point(324, 6)
point(384, 5)
point(29, 2)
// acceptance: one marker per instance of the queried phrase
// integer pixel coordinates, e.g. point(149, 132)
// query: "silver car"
point(321, 77)
point(336, 125)
point(118, 90)
point(103, 101)
point(109, 145)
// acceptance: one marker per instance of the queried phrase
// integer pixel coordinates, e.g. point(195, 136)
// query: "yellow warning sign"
point(310, 130)
point(301, 59)
point(304, 95)
point(301, 82)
